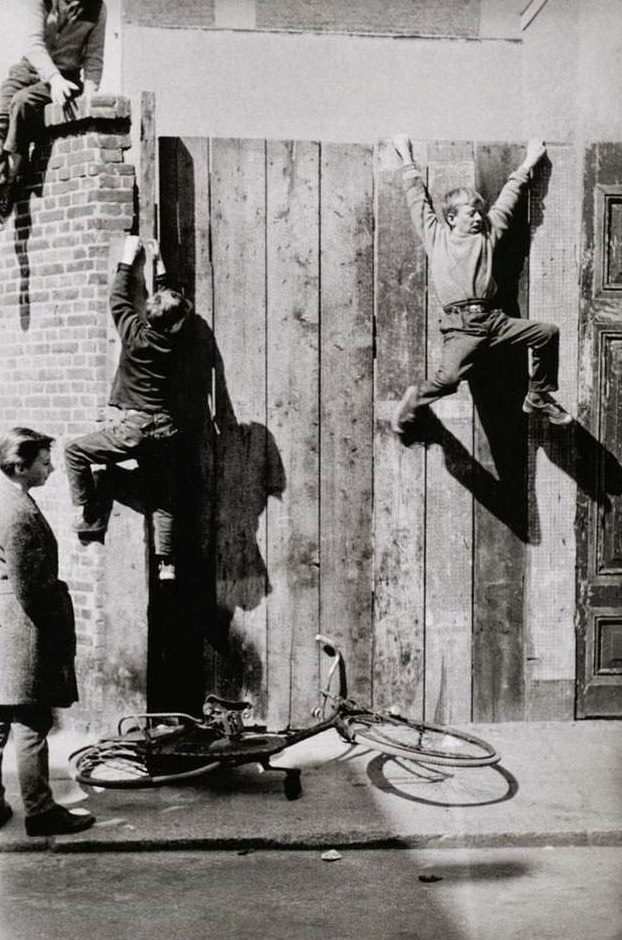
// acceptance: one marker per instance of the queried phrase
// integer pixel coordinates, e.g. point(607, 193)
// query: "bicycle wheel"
point(122, 764)
point(418, 740)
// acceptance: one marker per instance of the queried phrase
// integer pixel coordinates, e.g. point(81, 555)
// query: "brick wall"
point(54, 336)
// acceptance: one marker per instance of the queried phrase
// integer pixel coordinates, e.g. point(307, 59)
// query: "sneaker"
point(166, 570)
point(57, 821)
point(5, 814)
point(87, 521)
point(546, 406)
point(404, 413)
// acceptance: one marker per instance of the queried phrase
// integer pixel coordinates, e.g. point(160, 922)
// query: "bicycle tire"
point(421, 741)
point(126, 763)
point(122, 765)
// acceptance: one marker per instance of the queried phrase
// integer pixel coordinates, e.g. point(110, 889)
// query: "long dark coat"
point(37, 630)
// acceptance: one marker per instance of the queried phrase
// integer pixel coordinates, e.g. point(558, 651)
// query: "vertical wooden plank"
point(147, 184)
point(449, 503)
point(346, 405)
point(399, 471)
point(293, 419)
point(501, 525)
point(238, 231)
point(550, 579)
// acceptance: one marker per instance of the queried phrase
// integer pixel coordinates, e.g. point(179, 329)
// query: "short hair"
point(460, 196)
point(21, 446)
point(166, 309)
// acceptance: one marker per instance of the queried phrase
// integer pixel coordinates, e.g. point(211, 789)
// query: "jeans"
point(30, 725)
point(470, 329)
point(149, 439)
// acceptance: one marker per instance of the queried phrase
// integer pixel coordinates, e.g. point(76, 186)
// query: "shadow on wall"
point(226, 471)
point(498, 391)
point(31, 186)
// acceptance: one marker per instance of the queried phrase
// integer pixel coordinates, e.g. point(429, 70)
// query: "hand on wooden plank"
point(403, 148)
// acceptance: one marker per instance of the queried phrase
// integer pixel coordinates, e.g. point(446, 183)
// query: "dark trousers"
point(469, 331)
point(23, 96)
point(30, 725)
point(147, 438)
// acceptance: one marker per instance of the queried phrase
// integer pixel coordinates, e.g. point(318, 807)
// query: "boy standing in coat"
point(37, 634)
point(63, 57)
point(143, 427)
point(460, 254)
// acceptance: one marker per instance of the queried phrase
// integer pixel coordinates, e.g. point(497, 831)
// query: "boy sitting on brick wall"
point(141, 390)
point(63, 58)
point(460, 255)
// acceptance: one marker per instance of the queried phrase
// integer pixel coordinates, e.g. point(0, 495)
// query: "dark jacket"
point(144, 374)
point(37, 632)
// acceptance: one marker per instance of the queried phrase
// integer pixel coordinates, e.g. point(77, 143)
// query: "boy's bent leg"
point(459, 353)
point(100, 447)
point(543, 340)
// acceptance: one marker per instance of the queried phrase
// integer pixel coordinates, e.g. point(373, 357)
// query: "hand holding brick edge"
point(61, 89)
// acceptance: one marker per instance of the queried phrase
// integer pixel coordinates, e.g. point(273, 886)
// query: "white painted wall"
point(341, 88)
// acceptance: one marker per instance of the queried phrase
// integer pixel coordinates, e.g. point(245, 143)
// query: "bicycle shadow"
point(455, 787)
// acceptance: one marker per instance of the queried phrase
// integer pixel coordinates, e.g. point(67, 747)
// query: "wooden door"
point(599, 528)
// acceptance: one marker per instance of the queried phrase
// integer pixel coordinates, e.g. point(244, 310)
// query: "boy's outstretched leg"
point(459, 353)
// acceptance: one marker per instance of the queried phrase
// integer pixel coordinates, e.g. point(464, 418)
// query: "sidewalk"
point(557, 784)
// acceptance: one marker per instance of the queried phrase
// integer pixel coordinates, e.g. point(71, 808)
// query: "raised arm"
point(122, 304)
point(501, 213)
point(417, 197)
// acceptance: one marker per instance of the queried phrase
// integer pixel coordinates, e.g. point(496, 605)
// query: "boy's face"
point(466, 218)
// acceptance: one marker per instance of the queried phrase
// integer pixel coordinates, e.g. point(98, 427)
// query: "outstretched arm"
point(161, 278)
point(501, 213)
point(122, 307)
point(417, 197)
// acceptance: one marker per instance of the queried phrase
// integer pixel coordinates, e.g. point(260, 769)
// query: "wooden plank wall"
point(414, 558)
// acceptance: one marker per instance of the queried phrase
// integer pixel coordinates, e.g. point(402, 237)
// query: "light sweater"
point(461, 265)
point(55, 43)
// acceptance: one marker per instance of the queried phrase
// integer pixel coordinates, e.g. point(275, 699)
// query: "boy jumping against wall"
point(63, 58)
point(144, 428)
point(460, 255)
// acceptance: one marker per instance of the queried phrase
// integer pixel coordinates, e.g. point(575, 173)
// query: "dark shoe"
point(404, 413)
point(546, 406)
point(5, 814)
point(88, 521)
point(57, 821)
point(8, 192)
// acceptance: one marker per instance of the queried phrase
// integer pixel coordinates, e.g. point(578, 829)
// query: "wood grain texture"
point(500, 448)
point(244, 445)
point(293, 395)
point(346, 451)
point(449, 502)
point(399, 471)
point(550, 579)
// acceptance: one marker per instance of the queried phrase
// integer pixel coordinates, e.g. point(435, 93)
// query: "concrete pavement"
point(557, 784)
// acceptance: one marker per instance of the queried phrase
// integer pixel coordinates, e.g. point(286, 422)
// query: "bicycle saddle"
point(229, 706)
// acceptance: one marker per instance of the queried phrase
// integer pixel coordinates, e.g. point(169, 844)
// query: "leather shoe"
point(5, 814)
point(57, 821)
